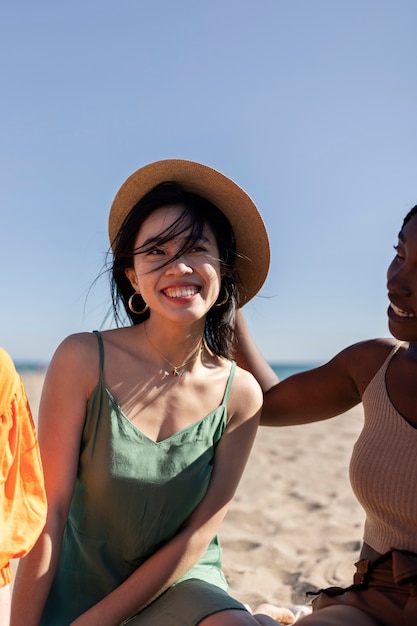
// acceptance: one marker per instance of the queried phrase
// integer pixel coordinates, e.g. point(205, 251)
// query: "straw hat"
point(252, 243)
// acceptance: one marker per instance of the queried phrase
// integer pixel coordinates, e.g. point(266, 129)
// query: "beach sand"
point(294, 525)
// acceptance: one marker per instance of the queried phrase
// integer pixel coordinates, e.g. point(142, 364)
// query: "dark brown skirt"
point(384, 589)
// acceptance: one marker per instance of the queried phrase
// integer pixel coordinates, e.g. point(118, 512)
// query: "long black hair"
point(197, 213)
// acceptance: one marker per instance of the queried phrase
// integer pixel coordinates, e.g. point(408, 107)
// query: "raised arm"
point(249, 356)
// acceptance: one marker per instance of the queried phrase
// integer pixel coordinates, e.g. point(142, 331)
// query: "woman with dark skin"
point(145, 429)
point(382, 374)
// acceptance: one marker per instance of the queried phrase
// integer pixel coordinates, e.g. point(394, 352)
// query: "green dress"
point(131, 496)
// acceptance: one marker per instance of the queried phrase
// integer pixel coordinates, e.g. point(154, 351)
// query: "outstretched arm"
point(310, 396)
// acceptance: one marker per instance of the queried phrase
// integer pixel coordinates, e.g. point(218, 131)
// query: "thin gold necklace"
point(176, 368)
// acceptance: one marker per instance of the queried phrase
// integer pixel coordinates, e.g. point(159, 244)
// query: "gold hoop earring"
point(225, 299)
point(131, 307)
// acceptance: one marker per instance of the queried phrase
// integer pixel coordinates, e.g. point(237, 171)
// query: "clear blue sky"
point(310, 105)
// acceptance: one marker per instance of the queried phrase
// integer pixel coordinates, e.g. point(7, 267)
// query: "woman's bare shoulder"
point(77, 356)
point(363, 359)
point(77, 347)
point(246, 391)
point(369, 349)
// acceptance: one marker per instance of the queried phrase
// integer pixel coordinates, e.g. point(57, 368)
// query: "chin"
point(401, 333)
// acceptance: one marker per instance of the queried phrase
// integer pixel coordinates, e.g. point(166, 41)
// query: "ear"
point(133, 279)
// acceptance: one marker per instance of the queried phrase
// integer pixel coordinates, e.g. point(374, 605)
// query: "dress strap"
point(229, 382)
point(101, 350)
point(387, 361)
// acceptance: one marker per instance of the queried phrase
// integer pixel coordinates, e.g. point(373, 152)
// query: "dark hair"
point(198, 212)
point(409, 215)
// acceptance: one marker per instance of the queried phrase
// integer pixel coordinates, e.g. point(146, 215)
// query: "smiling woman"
point(156, 419)
point(402, 313)
point(382, 374)
point(177, 279)
point(191, 244)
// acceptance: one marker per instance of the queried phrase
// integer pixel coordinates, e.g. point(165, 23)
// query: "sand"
point(294, 524)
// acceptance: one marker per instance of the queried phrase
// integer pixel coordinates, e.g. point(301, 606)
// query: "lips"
point(181, 292)
point(401, 313)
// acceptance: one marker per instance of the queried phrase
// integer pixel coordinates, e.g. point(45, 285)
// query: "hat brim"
point(252, 244)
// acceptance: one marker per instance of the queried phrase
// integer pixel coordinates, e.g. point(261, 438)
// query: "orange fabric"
point(22, 492)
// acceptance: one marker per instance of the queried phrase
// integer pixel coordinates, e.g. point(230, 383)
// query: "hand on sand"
point(280, 615)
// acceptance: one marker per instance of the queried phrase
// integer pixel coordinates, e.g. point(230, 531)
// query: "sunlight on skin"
point(280, 615)
point(265, 614)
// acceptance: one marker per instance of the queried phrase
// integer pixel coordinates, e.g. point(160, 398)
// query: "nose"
point(178, 267)
point(399, 279)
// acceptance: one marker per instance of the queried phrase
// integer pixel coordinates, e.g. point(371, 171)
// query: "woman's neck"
point(412, 350)
point(174, 347)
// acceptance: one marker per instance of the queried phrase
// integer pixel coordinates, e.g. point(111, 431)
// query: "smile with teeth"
point(400, 312)
point(181, 292)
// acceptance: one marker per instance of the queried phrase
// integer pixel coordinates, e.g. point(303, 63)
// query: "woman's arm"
point(249, 357)
point(61, 418)
point(314, 395)
point(311, 396)
point(183, 551)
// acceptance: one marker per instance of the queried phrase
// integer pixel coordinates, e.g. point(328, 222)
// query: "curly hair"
point(409, 215)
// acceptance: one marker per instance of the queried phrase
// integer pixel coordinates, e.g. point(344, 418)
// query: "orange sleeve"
point(22, 492)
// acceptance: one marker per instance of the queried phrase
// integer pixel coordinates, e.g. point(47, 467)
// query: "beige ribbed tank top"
point(383, 470)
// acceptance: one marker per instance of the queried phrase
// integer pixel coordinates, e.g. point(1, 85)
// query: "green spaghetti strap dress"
point(132, 494)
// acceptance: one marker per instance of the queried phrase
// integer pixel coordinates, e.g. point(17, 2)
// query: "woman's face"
point(179, 289)
point(402, 285)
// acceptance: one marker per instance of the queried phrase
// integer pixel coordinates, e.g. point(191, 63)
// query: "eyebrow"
point(155, 241)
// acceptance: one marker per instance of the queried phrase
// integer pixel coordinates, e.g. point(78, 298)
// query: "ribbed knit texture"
point(383, 470)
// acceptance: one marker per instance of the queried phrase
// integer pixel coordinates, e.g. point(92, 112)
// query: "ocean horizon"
point(282, 369)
